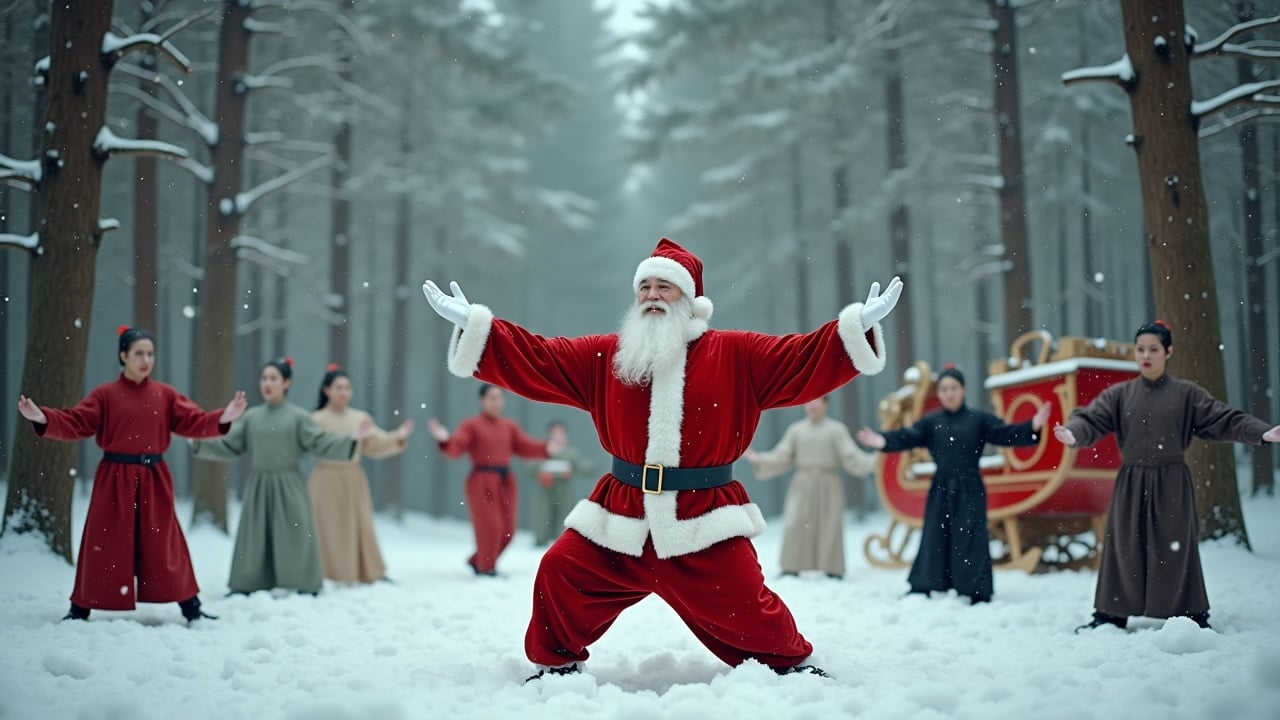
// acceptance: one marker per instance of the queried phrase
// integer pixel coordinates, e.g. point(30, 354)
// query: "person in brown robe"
point(1150, 552)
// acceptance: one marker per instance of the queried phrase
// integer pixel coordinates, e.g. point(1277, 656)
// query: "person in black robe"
point(1150, 564)
point(954, 551)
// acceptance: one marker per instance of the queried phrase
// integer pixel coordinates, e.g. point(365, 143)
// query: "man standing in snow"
point(675, 404)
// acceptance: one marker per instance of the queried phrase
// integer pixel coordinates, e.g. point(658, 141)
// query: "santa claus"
point(675, 404)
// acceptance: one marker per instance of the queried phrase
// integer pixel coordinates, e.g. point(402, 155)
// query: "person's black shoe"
point(834, 576)
point(192, 612)
point(802, 670)
point(76, 613)
point(1100, 619)
point(1201, 619)
point(572, 669)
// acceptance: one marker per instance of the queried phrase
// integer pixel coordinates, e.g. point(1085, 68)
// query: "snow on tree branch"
point(326, 9)
point(245, 200)
point(255, 249)
point(1250, 115)
point(258, 27)
point(115, 48)
point(1216, 45)
point(1251, 50)
point(40, 71)
point(27, 172)
point(1247, 93)
point(571, 210)
point(1119, 72)
point(108, 144)
point(30, 243)
point(191, 116)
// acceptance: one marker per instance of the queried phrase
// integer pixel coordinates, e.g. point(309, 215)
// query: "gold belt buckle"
point(644, 475)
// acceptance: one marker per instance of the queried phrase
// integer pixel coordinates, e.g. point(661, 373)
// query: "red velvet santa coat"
point(131, 529)
point(701, 413)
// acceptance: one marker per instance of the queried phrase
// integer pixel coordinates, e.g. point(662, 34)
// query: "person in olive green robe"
point(1150, 551)
point(551, 498)
point(276, 540)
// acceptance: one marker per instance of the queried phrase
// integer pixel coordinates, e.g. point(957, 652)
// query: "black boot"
point(76, 613)
point(1100, 619)
point(1201, 619)
point(573, 669)
point(192, 612)
point(802, 670)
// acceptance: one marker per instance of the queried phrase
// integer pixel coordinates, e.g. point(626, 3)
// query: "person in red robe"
point(490, 440)
point(676, 404)
point(131, 531)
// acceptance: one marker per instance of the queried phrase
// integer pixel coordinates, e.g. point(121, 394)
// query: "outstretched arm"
point(75, 423)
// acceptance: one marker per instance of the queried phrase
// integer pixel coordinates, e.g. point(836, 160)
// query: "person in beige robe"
point(339, 489)
point(813, 512)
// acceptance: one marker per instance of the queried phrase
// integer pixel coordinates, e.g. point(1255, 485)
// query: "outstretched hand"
point(1042, 416)
point(234, 409)
point(879, 304)
point(405, 429)
point(1068, 438)
point(751, 455)
point(365, 429)
point(453, 308)
point(438, 431)
point(870, 438)
point(31, 411)
point(1272, 435)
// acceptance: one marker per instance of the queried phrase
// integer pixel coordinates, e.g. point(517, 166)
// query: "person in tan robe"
point(339, 489)
point(813, 512)
point(1150, 549)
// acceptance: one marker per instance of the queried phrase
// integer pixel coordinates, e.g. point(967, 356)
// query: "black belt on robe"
point(502, 470)
point(133, 459)
point(653, 478)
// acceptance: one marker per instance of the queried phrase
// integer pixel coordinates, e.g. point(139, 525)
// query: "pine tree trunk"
point(7, 115)
point(1258, 351)
point(438, 331)
point(397, 375)
point(801, 247)
point(145, 215)
point(899, 217)
point(216, 334)
point(1176, 219)
point(1013, 201)
point(62, 277)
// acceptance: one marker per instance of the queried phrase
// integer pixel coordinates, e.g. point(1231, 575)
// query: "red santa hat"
point(676, 265)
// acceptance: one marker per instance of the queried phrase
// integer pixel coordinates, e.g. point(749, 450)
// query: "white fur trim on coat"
point(466, 345)
point(854, 337)
point(671, 537)
point(666, 269)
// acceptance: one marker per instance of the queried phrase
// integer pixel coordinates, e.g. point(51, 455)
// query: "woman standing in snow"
point(954, 550)
point(1150, 550)
point(340, 489)
point(276, 541)
point(133, 419)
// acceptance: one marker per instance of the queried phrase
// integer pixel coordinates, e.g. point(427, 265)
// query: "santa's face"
point(652, 336)
point(653, 288)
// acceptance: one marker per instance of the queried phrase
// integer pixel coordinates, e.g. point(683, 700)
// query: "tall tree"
point(1156, 74)
point(68, 178)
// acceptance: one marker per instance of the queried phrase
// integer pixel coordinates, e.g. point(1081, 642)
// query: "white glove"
point(878, 304)
point(453, 308)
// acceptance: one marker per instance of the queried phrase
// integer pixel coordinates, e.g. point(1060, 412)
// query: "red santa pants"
point(719, 592)
point(491, 500)
point(132, 530)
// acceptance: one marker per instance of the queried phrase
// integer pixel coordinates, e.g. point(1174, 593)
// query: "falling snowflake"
point(188, 311)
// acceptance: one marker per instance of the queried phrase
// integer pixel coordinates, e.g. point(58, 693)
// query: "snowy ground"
point(442, 644)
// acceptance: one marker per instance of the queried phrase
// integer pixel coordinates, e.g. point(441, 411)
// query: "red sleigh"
point(1046, 504)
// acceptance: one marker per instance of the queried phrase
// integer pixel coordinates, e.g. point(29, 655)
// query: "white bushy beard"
point(651, 342)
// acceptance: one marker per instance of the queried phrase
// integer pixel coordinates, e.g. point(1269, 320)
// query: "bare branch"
point(325, 9)
point(1119, 72)
point(30, 243)
point(1247, 93)
point(1248, 116)
point(1213, 46)
point(196, 120)
point(116, 48)
point(151, 102)
point(1251, 50)
point(278, 259)
point(109, 145)
point(245, 200)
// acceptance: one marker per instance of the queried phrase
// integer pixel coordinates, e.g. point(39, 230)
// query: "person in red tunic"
point(676, 404)
point(131, 530)
point(490, 440)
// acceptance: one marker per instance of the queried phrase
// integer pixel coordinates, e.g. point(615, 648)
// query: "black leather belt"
point(133, 459)
point(653, 479)
point(502, 470)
